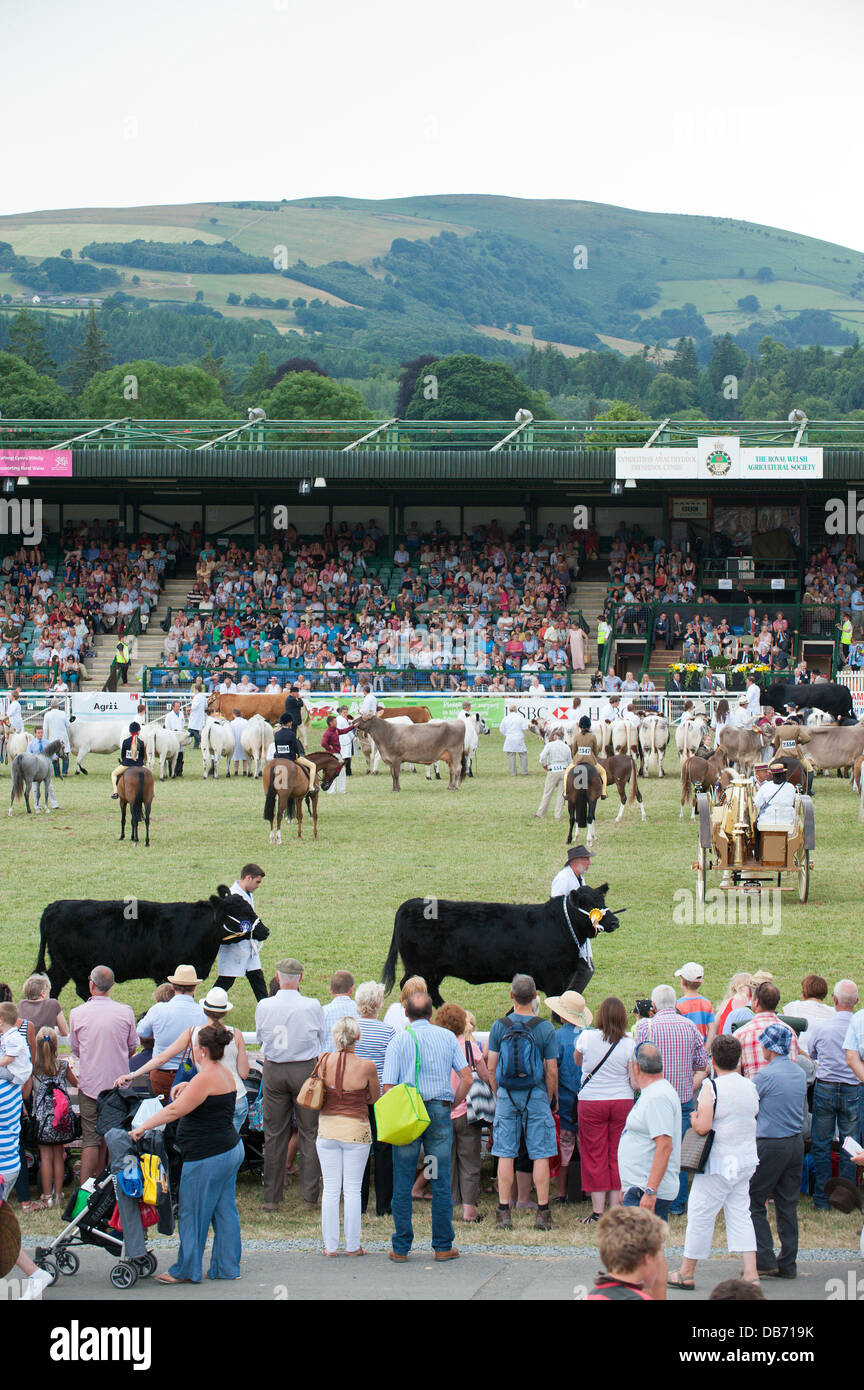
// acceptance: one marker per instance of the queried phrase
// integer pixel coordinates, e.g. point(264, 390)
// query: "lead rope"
point(595, 913)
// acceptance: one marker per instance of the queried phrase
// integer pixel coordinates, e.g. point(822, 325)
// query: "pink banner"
point(36, 463)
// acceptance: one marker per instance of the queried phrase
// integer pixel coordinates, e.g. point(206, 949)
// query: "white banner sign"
point(104, 705)
point(718, 457)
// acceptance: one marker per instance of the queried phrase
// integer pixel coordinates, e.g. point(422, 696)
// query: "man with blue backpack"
point(523, 1073)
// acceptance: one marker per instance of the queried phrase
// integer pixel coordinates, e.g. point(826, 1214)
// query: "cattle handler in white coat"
point(197, 710)
point(514, 726)
point(243, 957)
point(571, 877)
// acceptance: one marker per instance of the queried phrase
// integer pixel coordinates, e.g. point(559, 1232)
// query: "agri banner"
point(449, 706)
point(36, 463)
point(102, 705)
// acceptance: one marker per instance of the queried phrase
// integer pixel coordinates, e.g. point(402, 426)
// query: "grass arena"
point(332, 903)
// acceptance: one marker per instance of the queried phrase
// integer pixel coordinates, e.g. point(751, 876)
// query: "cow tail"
point(270, 803)
point(388, 974)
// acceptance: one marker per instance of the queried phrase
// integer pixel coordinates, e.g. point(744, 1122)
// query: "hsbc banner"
point(716, 458)
point(449, 706)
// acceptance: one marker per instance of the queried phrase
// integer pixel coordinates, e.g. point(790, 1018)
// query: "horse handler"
point(132, 754)
point(572, 876)
point(243, 957)
point(555, 759)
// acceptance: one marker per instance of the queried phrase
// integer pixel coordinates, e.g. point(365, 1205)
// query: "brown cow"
point(420, 743)
point(741, 746)
point(270, 707)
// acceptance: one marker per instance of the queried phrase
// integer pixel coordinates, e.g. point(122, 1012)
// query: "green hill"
point(459, 272)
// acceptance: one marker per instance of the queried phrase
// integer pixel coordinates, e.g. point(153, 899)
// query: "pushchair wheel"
point(146, 1265)
point(49, 1267)
point(68, 1262)
point(123, 1275)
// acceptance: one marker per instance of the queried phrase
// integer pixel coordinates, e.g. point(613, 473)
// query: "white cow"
point(217, 741)
point(162, 746)
point(257, 740)
point(691, 731)
point(625, 732)
point(95, 736)
point(654, 740)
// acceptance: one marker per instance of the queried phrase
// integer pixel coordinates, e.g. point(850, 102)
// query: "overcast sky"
point(746, 108)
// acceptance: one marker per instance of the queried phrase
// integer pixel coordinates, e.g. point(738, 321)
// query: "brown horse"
point(135, 790)
point(700, 774)
point(286, 786)
point(621, 769)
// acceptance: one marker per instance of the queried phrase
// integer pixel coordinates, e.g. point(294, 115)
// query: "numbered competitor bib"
point(587, 751)
point(787, 743)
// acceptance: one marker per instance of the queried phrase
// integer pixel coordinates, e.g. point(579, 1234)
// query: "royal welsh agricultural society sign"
point(716, 459)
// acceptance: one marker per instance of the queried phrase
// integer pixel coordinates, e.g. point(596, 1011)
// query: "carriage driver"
point(132, 754)
point(288, 745)
point(775, 800)
point(585, 750)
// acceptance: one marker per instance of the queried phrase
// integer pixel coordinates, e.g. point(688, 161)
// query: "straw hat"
point(10, 1239)
point(572, 1007)
point(184, 975)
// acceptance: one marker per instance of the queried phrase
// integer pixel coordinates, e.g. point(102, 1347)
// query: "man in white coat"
point(514, 726)
point(369, 703)
point(197, 711)
point(572, 876)
point(176, 724)
point(345, 730)
point(243, 957)
point(555, 758)
point(57, 728)
point(754, 709)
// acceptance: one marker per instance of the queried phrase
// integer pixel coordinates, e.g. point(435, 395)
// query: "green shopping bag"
point(400, 1115)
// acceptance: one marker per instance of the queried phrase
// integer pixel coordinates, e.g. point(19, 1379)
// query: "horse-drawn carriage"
point(750, 850)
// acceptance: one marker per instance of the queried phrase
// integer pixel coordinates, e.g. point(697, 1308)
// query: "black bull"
point(137, 939)
point(485, 943)
point(830, 696)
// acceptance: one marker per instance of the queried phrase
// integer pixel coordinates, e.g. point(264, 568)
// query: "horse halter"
point(245, 933)
point(596, 915)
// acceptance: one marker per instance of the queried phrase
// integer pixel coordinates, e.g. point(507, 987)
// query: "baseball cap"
point(691, 971)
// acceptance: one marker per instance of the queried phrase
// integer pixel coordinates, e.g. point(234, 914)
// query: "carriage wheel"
point(804, 877)
point(701, 874)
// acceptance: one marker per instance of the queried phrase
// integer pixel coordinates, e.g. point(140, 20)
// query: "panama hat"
point(184, 975)
point(216, 1001)
point(572, 1007)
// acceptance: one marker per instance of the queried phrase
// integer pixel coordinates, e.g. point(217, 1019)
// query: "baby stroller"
point(253, 1139)
point(93, 1222)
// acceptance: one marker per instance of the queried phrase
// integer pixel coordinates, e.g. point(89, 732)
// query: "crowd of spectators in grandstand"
point(52, 605)
point(478, 612)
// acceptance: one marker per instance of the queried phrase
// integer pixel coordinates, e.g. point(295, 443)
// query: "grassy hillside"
point(472, 272)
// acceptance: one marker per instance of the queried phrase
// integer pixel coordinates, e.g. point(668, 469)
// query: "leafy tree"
point(92, 356)
point(27, 394)
point(150, 391)
point(233, 299)
point(26, 338)
point(215, 367)
point(764, 274)
point(258, 379)
point(312, 396)
point(66, 254)
point(471, 388)
point(668, 393)
point(295, 364)
point(621, 410)
point(199, 296)
point(750, 303)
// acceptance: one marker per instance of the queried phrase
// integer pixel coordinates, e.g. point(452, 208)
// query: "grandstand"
point(427, 556)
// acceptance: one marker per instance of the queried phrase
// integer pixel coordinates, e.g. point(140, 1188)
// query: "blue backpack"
point(520, 1065)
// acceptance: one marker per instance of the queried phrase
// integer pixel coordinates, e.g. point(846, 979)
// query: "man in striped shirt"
point(341, 1003)
point(685, 1061)
point(438, 1053)
point(692, 1004)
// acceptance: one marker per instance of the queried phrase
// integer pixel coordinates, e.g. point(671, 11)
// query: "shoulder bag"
point(400, 1115)
point(311, 1093)
point(695, 1148)
point(480, 1100)
point(594, 1070)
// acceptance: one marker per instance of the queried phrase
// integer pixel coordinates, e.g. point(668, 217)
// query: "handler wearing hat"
point(571, 877)
point(775, 800)
point(585, 750)
point(132, 754)
point(163, 1023)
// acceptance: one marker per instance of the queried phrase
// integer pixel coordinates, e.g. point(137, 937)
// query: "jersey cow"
point(419, 743)
point(139, 940)
point(489, 943)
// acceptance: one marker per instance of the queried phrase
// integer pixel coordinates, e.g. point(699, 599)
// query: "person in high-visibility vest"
point(603, 631)
point(122, 657)
point(845, 638)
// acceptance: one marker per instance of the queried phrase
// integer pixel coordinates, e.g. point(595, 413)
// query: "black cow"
point(830, 696)
point(139, 940)
point(484, 943)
